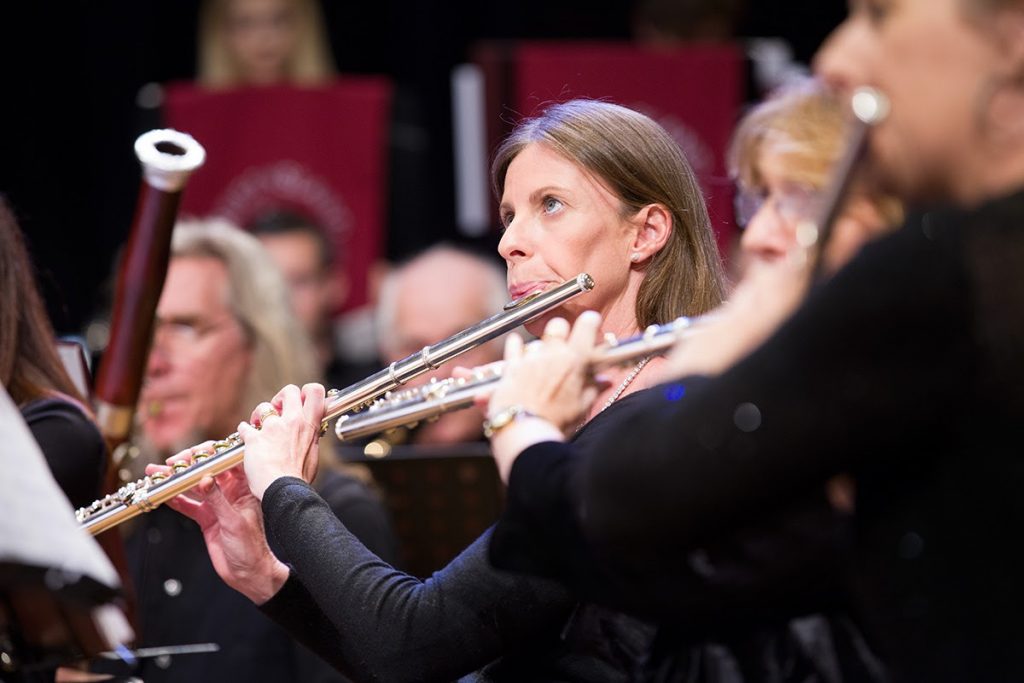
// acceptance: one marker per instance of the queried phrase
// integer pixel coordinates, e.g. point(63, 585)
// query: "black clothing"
point(906, 370)
point(73, 447)
point(762, 605)
point(183, 601)
point(361, 510)
point(390, 626)
point(381, 624)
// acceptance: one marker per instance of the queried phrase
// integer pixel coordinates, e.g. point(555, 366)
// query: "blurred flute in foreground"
point(868, 108)
point(150, 491)
point(408, 407)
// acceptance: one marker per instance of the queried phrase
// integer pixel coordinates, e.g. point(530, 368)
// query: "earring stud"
point(635, 258)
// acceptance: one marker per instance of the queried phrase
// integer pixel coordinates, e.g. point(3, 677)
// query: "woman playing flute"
point(586, 186)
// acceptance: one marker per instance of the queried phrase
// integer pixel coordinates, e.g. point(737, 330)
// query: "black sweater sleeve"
point(389, 626)
point(72, 445)
point(855, 374)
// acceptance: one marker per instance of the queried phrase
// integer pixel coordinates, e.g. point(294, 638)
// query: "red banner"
point(693, 91)
point(320, 152)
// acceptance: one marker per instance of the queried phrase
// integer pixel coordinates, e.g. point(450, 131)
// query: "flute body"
point(405, 408)
point(150, 491)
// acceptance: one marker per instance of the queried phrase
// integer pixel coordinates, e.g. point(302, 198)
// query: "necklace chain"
point(622, 387)
point(626, 382)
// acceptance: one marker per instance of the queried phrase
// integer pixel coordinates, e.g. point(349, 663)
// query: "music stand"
point(56, 585)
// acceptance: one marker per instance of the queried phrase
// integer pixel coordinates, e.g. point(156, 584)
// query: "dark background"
point(72, 71)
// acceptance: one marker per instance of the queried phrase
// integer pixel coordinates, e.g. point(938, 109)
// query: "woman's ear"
point(654, 227)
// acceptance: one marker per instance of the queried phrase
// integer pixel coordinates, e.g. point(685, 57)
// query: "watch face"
point(501, 419)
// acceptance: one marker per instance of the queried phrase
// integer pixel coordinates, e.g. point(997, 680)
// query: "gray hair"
point(493, 289)
point(258, 298)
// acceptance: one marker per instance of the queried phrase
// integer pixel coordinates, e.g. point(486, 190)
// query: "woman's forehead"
point(539, 166)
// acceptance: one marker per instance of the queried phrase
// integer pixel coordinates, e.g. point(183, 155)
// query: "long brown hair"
point(29, 365)
point(641, 164)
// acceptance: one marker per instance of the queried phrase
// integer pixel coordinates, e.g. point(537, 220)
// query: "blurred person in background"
point(263, 42)
point(667, 23)
point(436, 294)
point(782, 156)
point(224, 336)
point(304, 256)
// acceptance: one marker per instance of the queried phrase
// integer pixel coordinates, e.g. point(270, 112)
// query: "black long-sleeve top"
point(72, 444)
point(387, 626)
point(907, 370)
point(378, 624)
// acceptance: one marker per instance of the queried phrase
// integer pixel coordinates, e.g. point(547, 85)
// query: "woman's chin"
point(537, 325)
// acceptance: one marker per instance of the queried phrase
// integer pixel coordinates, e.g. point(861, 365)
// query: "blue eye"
point(551, 205)
point(506, 220)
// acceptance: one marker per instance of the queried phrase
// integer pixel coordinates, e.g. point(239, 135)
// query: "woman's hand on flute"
point(282, 437)
point(232, 524)
point(545, 388)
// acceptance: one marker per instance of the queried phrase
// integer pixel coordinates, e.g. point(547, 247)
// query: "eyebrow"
point(182, 319)
point(537, 194)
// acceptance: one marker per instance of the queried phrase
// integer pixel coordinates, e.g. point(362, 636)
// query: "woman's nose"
point(513, 244)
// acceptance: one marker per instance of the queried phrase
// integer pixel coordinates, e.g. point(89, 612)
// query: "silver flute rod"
point(432, 400)
point(431, 357)
point(149, 492)
point(869, 107)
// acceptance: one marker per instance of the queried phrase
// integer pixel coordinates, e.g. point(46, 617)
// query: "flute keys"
point(157, 477)
point(179, 466)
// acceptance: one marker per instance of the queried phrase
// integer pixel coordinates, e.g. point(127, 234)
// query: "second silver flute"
point(405, 408)
point(150, 491)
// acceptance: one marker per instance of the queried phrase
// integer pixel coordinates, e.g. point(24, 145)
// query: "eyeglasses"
point(794, 204)
point(178, 335)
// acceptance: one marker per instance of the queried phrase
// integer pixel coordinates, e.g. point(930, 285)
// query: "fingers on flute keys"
point(181, 461)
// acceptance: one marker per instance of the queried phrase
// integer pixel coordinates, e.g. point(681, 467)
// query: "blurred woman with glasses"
point(782, 155)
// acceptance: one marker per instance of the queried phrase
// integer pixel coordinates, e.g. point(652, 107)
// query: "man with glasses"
point(225, 339)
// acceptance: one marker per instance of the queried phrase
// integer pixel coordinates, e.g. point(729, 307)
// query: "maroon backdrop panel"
point(318, 151)
point(694, 92)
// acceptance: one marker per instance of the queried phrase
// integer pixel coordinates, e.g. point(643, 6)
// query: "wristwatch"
point(503, 418)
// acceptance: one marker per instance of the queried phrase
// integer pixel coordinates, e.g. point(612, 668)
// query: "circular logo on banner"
point(286, 185)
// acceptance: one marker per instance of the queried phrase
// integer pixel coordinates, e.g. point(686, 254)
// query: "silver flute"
point(411, 406)
point(147, 493)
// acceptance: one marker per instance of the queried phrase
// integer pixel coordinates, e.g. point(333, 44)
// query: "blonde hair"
point(806, 126)
point(309, 64)
point(641, 164)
